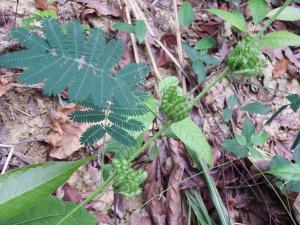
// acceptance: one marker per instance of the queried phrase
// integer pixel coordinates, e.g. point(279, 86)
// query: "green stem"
point(145, 146)
point(150, 141)
point(268, 23)
point(99, 190)
point(209, 86)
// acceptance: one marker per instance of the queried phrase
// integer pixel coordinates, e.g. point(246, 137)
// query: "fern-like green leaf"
point(67, 59)
point(122, 122)
point(133, 74)
point(114, 121)
point(22, 59)
point(30, 40)
point(88, 116)
point(120, 135)
point(92, 135)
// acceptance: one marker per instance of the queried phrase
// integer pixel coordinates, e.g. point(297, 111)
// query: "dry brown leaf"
point(152, 187)
point(71, 194)
point(44, 5)
point(173, 198)
point(7, 18)
point(99, 8)
point(140, 217)
point(280, 68)
point(65, 139)
point(4, 86)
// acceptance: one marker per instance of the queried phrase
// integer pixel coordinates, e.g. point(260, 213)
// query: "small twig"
point(139, 15)
point(179, 46)
point(133, 39)
point(178, 35)
point(15, 108)
point(8, 157)
point(21, 156)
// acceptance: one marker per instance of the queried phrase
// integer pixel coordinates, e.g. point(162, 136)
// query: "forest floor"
point(38, 128)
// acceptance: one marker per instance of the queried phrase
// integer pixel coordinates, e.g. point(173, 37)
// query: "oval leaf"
point(23, 187)
point(140, 30)
point(279, 39)
point(258, 9)
point(49, 211)
point(290, 171)
point(234, 20)
point(256, 107)
point(186, 14)
point(191, 135)
point(288, 14)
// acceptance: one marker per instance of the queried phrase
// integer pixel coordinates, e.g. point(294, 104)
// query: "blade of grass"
point(198, 206)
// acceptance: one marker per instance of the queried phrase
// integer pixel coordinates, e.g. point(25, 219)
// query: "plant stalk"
point(99, 190)
point(268, 23)
point(209, 86)
point(165, 126)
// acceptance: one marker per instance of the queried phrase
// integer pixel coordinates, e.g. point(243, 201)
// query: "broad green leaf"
point(165, 83)
point(192, 136)
point(232, 101)
point(140, 30)
point(242, 140)
point(290, 171)
point(186, 14)
point(22, 188)
point(294, 100)
point(231, 145)
point(200, 70)
point(190, 52)
point(278, 160)
point(208, 59)
point(290, 13)
point(256, 107)
point(205, 43)
point(254, 153)
point(248, 129)
point(297, 154)
point(259, 138)
point(227, 114)
point(279, 39)
point(258, 9)
point(48, 211)
point(230, 18)
point(125, 27)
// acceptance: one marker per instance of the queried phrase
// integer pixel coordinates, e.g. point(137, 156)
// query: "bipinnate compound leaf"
point(192, 136)
point(67, 58)
point(48, 211)
point(113, 120)
point(233, 19)
point(22, 188)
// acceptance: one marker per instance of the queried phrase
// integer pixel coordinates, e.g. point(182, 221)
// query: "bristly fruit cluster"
point(173, 105)
point(85, 64)
point(128, 180)
point(244, 59)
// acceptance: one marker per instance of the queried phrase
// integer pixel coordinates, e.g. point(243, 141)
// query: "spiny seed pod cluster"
point(244, 59)
point(173, 105)
point(128, 180)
